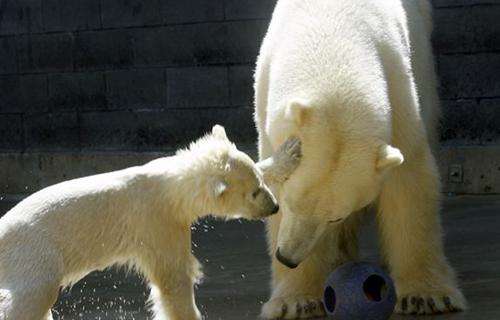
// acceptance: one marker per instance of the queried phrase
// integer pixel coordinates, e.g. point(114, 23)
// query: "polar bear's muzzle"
point(285, 261)
point(297, 236)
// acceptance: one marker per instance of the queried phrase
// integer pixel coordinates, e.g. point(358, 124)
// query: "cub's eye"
point(255, 193)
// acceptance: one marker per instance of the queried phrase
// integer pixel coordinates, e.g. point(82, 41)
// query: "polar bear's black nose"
point(276, 208)
point(284, 260)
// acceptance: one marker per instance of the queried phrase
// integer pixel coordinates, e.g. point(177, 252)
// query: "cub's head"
point(233, 184)
point(342, 170)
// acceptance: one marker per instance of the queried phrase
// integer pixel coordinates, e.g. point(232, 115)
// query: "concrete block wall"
point(80, 77)
point(159, 73)
point(94, 75)
point(467, 48)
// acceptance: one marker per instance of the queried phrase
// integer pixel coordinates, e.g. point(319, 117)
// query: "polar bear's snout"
point(297, 237)
point(285, 260)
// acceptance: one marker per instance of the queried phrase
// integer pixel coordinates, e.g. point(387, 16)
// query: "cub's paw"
point(430, 303)
point(291, 149)
point(287, 158)
point(298, 307)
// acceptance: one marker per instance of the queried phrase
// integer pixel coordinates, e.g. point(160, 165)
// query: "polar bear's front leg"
point(411, 240)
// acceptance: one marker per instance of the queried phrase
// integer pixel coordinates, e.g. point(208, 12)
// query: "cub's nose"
point(275, 209)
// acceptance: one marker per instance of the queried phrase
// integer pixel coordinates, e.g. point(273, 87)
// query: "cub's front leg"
point(172, 288)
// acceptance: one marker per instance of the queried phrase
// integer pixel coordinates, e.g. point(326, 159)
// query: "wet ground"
point(236, 267)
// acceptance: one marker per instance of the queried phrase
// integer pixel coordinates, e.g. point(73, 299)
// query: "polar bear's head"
point(341, 171)
point(232, 184)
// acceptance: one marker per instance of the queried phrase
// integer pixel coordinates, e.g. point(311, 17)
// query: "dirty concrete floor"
point(237, 269)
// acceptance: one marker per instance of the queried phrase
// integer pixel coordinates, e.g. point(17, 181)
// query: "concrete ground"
point(237, 269)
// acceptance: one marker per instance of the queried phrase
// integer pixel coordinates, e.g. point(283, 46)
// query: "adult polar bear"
point(355, 80)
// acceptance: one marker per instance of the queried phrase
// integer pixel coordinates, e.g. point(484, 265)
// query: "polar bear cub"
point(139, 216)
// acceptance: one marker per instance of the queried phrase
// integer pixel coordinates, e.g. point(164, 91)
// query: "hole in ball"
point(329, 299)
point(375, 288)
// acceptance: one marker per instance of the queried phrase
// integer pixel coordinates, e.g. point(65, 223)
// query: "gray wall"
point(147, 75)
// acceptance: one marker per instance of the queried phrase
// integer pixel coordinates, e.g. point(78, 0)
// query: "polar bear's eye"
point(335, 220)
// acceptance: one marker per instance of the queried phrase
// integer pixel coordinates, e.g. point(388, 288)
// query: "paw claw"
point(299, 309)
point(432, 305)
point(296, 308)
point(404, 304)
point(422, 304)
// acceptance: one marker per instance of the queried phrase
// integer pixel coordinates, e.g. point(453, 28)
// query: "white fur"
point(355, 81)
point(139, 216)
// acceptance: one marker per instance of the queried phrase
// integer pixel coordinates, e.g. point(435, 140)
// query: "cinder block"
point(8, 56)
point(200, 44)
point(22, 175)
point(458, 3)
point(490, 112)
point(31, 171)
point(469, 76)
point(103, 49)
point(64, 15)
point(469, 121)
point(11, 132)
point(467, 29)
point(9, 87)
point(249, 9)
point(20, 16)
point(161, 130)
point(45, 53)
point(241, 85)
point(181, 45)
point(198, 87)
point(52, 131)
point(77, 91)
point(116, 130)
point(243, 40)
point(126, 13)
point(479, 165)
point(32, 94)
point(136, 89)
point(174, 11)
point(23, 93)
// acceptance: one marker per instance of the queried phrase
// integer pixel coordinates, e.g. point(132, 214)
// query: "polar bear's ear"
point(389, 157)
point(298, 110)
point(219, 187)
point(218, 131)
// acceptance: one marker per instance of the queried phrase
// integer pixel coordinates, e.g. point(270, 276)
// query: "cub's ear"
point(389, 157)
point(219, 187)
point(299, 111)
point(219, 132)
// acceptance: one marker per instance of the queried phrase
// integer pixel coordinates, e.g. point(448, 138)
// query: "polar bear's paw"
point(297, 307)
point(422, 304)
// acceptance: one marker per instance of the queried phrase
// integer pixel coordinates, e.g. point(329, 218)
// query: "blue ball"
point(359, 291)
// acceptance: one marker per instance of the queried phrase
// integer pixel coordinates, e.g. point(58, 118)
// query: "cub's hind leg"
point(29, 283)
point(29, 299)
